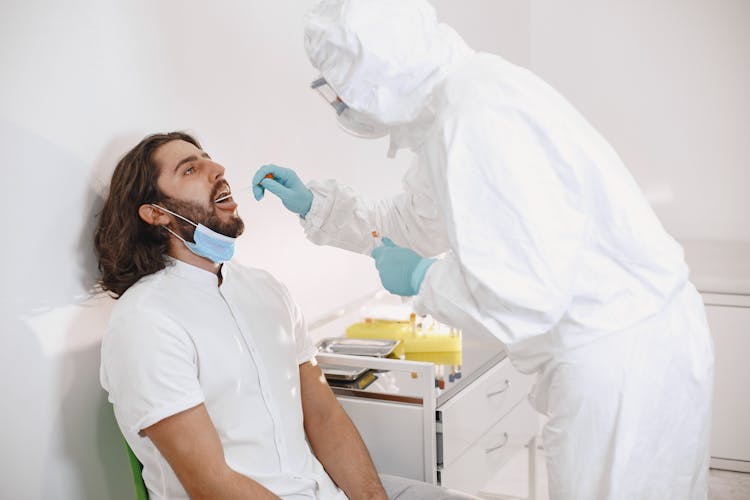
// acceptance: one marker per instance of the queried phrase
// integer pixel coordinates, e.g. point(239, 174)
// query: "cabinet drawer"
point(469, 414)
point(471, 471)
point(393, 434)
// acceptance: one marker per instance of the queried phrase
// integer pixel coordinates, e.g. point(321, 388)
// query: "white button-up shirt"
point(176, 339)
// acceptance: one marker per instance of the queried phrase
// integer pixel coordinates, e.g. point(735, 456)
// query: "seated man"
point(208, 364)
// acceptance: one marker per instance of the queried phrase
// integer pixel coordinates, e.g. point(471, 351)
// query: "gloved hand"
point(401, 269)
point(286, 185)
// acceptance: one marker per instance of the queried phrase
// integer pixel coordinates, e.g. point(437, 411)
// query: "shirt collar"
point(193, 273)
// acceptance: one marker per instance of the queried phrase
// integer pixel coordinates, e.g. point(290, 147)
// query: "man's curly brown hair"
point(127, 247)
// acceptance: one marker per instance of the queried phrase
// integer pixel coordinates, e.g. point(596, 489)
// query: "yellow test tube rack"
point(416, 341)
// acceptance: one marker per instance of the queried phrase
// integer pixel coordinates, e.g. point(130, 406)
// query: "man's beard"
point(201, 215)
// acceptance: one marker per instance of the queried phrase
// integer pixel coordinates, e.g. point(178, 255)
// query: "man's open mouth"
point(223, 196)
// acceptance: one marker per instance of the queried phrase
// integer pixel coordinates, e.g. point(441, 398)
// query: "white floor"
point(726, 485)
point(510, 482)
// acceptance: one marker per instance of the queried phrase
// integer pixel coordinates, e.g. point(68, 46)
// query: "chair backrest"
point(136, 468)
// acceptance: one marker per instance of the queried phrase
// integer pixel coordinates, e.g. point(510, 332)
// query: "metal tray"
point(343, 373)
point(361, 383)
point(378, 348)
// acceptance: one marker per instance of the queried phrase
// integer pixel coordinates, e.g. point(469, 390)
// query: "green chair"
point(136, 468)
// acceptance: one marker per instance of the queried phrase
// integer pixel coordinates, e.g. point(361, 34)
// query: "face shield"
point(351, 121)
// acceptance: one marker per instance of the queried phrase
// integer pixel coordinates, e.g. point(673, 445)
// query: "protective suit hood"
point(382, 57)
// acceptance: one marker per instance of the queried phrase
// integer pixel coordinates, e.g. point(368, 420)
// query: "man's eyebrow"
point(189, 159)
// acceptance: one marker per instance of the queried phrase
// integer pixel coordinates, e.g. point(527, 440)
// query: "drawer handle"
point(500, 391)
point(500, 445)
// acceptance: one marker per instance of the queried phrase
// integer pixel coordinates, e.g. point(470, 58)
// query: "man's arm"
point(191, 445)
point(334, 439)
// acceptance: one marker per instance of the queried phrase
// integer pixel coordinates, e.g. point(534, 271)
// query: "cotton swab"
point(245, 188)
point(240, 190)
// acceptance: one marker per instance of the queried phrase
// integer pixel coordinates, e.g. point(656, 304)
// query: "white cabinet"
point(729, 319)
point(460, 441)
point(472, 412)
point(447, 424)
point(721, 272)
point(484, 458)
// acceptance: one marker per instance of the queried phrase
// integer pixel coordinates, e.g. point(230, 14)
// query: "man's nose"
point(216, 172)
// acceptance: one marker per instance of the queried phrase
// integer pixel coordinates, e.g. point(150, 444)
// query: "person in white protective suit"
point(519, 220)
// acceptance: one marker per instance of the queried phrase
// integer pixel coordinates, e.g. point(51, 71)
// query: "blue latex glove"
point(286, 185)
point(401, 269)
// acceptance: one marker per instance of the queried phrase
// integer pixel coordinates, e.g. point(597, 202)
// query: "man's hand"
point(285, 184)
point(401, 269)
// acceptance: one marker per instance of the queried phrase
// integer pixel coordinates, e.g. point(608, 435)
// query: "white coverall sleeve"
point(149, 368)
point(340, 218)
point(516, 226)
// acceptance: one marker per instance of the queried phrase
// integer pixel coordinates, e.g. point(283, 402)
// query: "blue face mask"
point(214, 246)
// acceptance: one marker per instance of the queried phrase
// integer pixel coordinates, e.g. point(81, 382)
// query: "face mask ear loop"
point(175, 234)
point(176, 215)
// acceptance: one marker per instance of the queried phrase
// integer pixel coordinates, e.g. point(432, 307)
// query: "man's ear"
point(151, 215)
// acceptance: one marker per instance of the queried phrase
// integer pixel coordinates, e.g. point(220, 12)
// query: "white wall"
point(668, 83)
point(82, 82)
